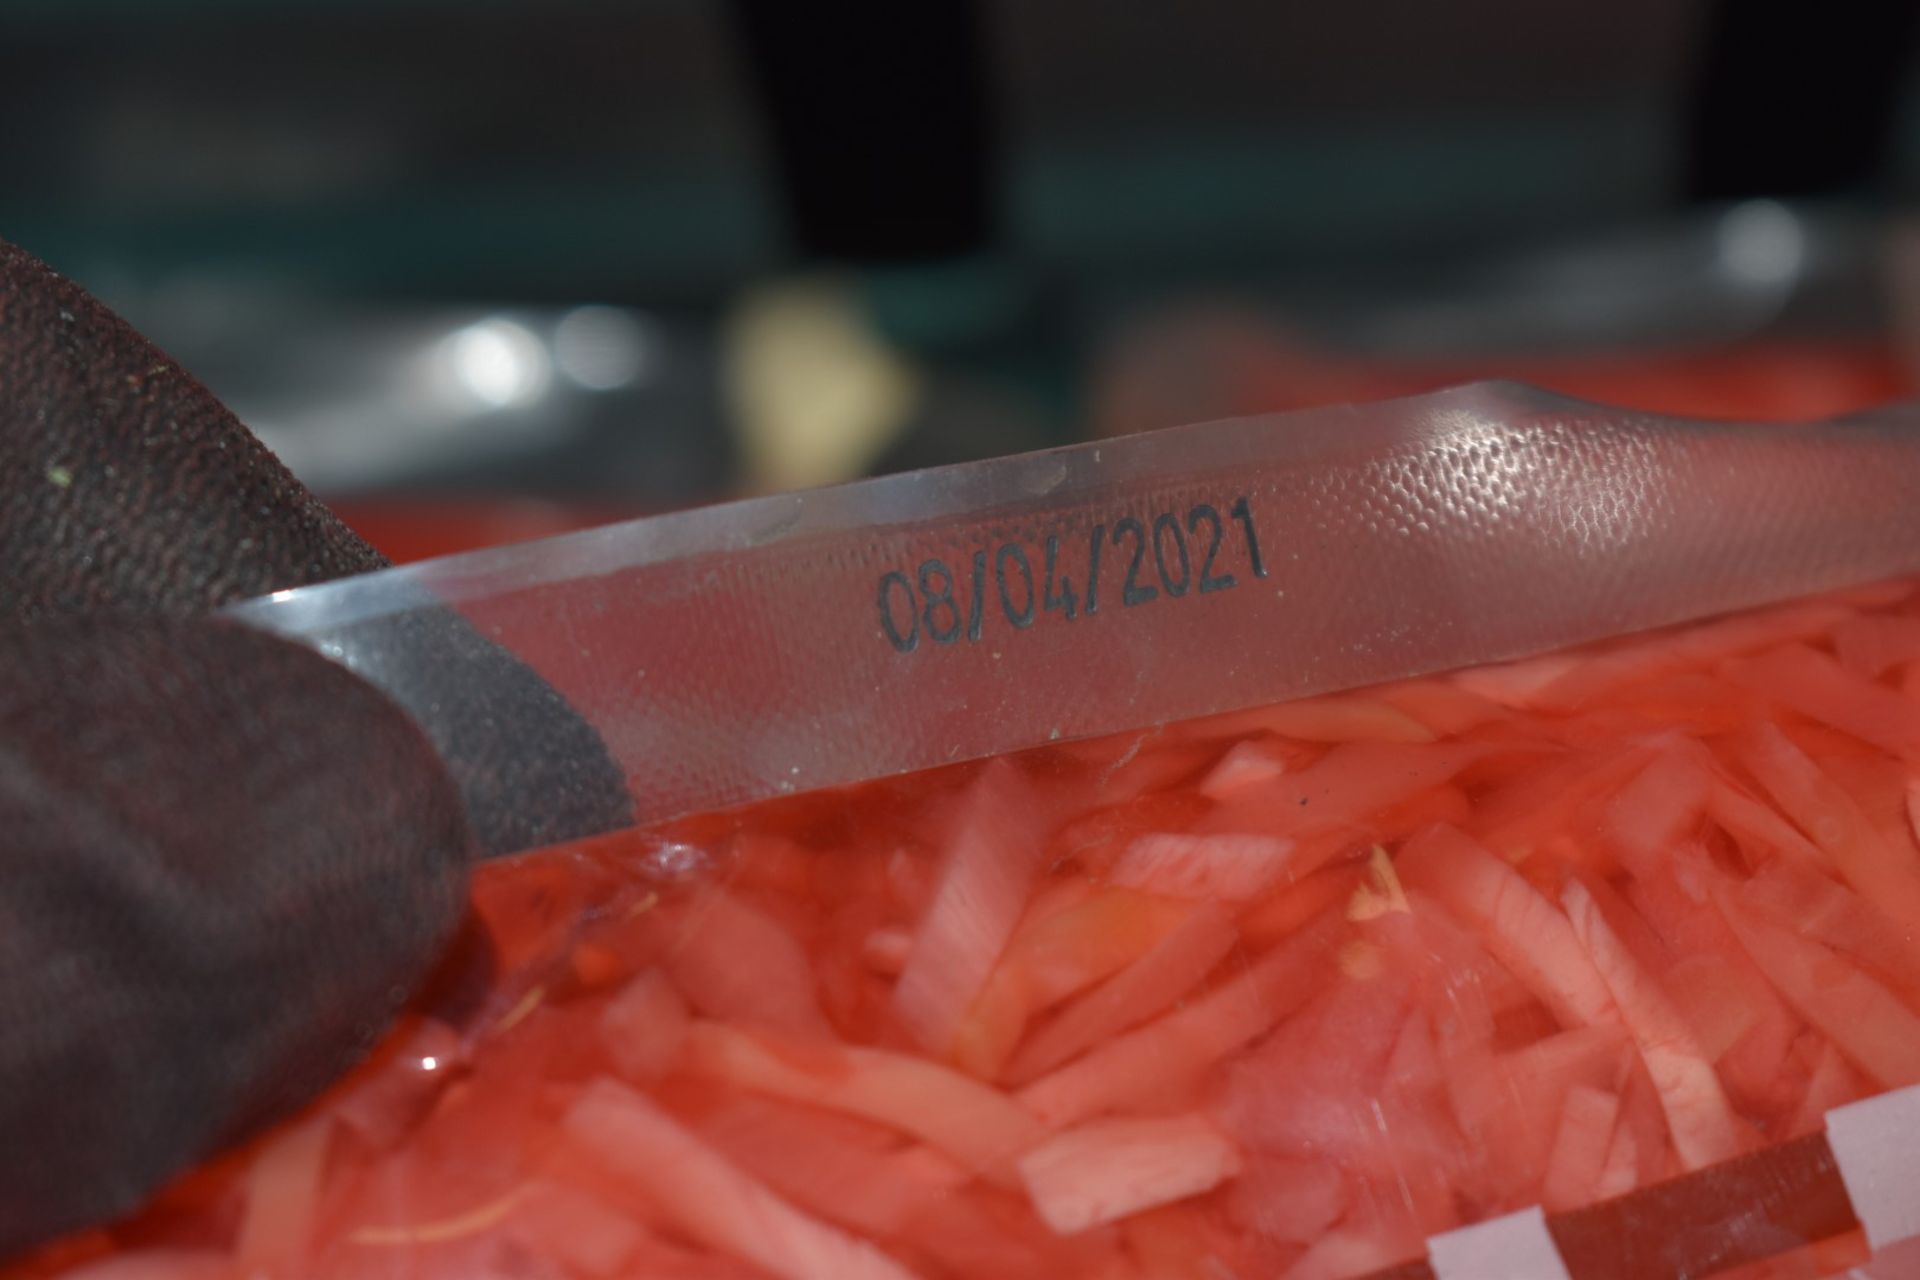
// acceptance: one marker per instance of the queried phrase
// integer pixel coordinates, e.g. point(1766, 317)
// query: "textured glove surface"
point(224, 861)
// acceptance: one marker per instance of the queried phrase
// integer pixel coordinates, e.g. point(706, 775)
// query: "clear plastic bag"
point(1612, 953)
point(807, 640)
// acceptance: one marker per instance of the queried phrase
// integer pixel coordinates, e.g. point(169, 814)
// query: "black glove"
point(224, 861)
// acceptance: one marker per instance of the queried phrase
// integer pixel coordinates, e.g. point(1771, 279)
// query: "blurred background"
point(485, 269)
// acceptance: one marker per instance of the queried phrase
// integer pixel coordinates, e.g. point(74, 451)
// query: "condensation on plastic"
point(738, 652)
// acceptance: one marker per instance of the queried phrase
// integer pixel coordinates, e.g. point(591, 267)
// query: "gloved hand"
point(224, 861)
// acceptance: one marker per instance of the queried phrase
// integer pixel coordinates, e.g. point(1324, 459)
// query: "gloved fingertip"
point(227, 862)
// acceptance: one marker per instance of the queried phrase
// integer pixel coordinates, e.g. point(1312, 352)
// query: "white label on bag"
point(1516, 1247)
point(1874, 1144)
point(1902, 1262)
